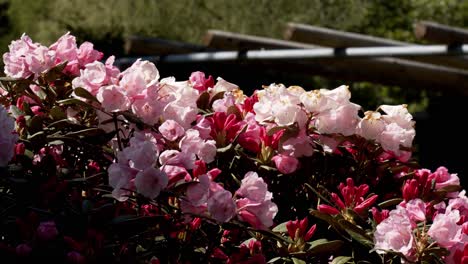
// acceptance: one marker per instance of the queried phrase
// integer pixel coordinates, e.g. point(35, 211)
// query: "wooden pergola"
point(445, 71)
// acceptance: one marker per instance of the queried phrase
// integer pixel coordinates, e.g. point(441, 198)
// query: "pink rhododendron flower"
point(285, 164)
point(298, 146)
point(223, 86)
point(395, 233)
point(443, 178)
point(393, 136)
point(371, 126)
point(171, 130)
point(256, 206)
point(199, 82)
point(87, 54)
point(66, 50)
point(40, 60)
point(16, 65)
point(416, 210)
point(150, 181)
point(94, 76)
point(112, 99)
point(445, 230)
point(221, 206)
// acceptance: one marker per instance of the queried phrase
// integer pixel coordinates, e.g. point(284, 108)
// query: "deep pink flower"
point(74, 257)
point(299, 229)
point(23, 250)
point(224, 127)
point(285, 164)
point(47, 231)
point(379, 216)
point(199, 82)
point(443, 178)
point(353, 198)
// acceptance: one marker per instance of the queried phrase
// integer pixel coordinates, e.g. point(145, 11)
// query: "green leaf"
point(234, 111)
point(281, 228)
point(93, 131)
point(8, 79)
point(35, 124)
point(215, 97)
point(132, 118)
point(203, 101)
point(225, 149)
point(391, 202)
point(81, 92)
point(16, 111)
point(322, 246)
point(450, 188)
point(273, 260)
point(56, 113)
point(341, 260)
point(273, 130)
point(297, 261)
point(74, 101)
point(356, 233)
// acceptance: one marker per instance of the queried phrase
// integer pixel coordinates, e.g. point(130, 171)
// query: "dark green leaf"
point(356, 233)
point(298, 261)
point(56, 113)
point(74, 101)
point(132, 118)
point(225, 149)
point(81, 92)
point(16, 111)
point(273, 260)
point(234, 111)
point(35, 124)
point(203, 101)
point(94, 131)
point(391, 202)
point(281, 228)
point(341, 260)
point(322, 247)
point(215, 97)
point(450, 188)
point(273, 130)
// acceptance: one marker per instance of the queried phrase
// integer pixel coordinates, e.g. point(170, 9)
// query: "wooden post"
point(439, 33)
point(340, 39)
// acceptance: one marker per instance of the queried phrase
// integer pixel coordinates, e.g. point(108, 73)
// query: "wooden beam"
point(142, 46)
point(440, 33)
point(224, 40)
point(340, 39)
point(389, 71)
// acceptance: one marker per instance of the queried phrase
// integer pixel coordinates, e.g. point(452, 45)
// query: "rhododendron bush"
point(107, 165)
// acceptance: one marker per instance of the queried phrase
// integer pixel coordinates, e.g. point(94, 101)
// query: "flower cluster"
point(123, 165)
